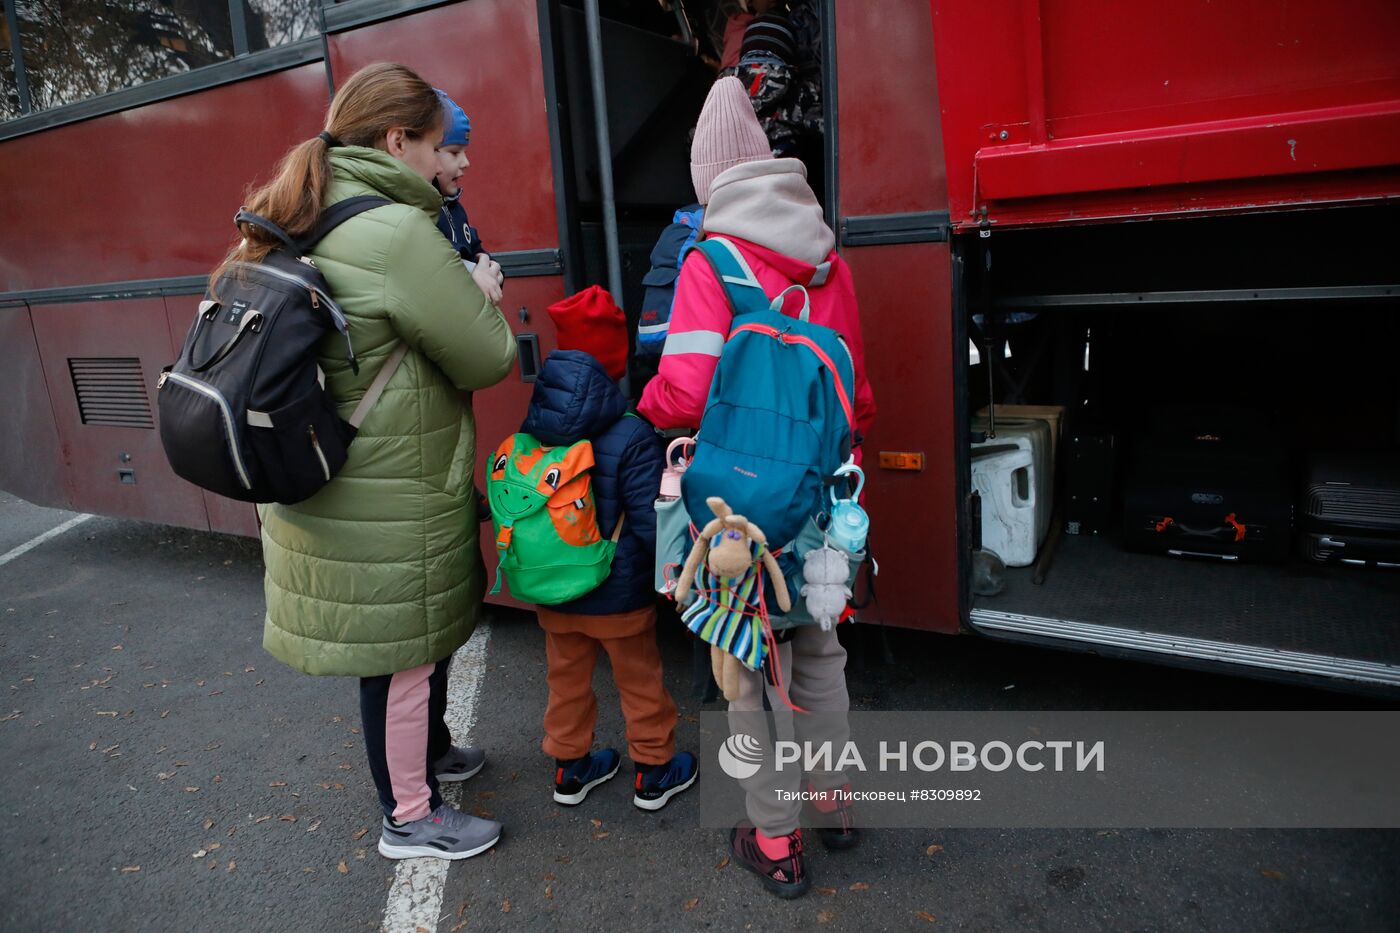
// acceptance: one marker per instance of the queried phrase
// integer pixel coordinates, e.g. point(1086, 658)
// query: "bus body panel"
point(907, 323)
point(891, 144)
point(31, 457)
point(890, 161)
point(1095, 110)
point(95, 454)
point(148, 192)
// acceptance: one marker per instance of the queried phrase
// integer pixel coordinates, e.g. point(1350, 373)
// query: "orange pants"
point(571, 644)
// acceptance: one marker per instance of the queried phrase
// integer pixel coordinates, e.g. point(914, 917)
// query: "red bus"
point(1096, 211)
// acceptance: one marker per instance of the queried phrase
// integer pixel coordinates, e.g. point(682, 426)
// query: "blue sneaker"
point(574, 779)
point(657, 784)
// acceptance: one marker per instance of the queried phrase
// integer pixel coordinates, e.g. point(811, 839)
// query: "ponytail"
point(376, 99)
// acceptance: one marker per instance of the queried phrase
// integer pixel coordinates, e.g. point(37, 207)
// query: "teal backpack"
point(780, 417)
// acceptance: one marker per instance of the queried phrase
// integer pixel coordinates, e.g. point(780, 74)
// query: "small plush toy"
point(826, 570)
point(732, 560)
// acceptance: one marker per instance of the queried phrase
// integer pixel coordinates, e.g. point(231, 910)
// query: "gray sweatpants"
point(813, 665)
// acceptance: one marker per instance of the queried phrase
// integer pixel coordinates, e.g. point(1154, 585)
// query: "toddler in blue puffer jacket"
point(575, 399)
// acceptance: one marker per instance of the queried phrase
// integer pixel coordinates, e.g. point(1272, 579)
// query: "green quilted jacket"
point(379, 572)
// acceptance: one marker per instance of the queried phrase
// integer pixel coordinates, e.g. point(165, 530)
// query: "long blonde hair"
point(376, 99)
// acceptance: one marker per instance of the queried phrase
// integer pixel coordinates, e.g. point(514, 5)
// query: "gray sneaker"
point(445, 833)
point(460, 763)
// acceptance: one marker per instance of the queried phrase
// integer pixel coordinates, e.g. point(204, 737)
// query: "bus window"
point(277, 22)
point(76, 50)
point(9, 87)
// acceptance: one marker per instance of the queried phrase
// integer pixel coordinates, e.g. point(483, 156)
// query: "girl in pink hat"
point(766, 209)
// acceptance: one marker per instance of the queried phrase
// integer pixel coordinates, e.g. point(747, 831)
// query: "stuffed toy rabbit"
point(731, 558)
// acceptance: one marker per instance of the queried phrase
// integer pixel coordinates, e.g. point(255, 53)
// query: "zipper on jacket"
point(211, 392)
point(316, 446)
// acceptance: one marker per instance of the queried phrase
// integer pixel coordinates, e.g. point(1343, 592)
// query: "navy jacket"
point(574, 399)
point(452, 221)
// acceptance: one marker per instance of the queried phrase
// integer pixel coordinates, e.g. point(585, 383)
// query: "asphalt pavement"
point(160, 772)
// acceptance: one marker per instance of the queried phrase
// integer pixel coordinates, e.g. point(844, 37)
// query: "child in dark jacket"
point(574, 399)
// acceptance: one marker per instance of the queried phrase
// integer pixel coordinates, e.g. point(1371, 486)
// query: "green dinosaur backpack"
point(546, 521)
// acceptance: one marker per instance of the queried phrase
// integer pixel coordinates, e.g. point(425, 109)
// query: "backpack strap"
point(376, 388)
point(336, 215)
point(741, 286)
point(333, 217)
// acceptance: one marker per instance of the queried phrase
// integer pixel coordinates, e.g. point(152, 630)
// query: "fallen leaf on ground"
point(343, 868)
point(191, 790)
point(345, 767)
point(358, 835)
point(111, 748)
point(249, 669)
point(199, 853)
point(692, 903)
point(106, 712)
point(259, 683)
point(821, 890)
point(214, 693)
point(289, 818)
point(164, 714)
point(456, 928)
point(1271, 873)
point(825, 916)
point(860, 886)
point(361, 853)
point(262, 819)
point(116, 647)
point(548, 893)
point(199, 683)
point(92, 747)
point(315, 825)
point(165, 775)
point(505, 906)
point(130, 868)
point(596, 822)
point(549, 876)
point(722, 863)
point(933, 850)
point(213, 863)
point(277, 784)
point(214, 845)
point(208, 824)
point(231, 865)
point(925, 916)
point(601, 835)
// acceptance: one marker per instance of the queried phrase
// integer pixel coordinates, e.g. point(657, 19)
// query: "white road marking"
point(415, 899)
point(52, 533)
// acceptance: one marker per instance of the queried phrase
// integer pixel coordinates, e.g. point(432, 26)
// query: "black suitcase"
point(1088, 466)
point(1350, 509)
point(1210, 484)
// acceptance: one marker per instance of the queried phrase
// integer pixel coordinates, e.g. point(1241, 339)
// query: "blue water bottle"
point(849, 523)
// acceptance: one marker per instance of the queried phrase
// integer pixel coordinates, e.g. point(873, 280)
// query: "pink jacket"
point(701, 315)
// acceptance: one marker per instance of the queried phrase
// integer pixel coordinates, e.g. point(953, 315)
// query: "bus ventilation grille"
point(111, 391)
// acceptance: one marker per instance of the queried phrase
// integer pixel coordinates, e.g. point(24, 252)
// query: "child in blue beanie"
point(452, 219)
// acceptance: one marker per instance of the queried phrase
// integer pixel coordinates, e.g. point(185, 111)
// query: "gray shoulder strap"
point(376, 388)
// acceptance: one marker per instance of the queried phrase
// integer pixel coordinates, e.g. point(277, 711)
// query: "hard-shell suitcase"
point(1350, 509)
point(1209, 484)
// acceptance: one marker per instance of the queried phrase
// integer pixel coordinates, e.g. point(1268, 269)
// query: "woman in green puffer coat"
point(378, 575)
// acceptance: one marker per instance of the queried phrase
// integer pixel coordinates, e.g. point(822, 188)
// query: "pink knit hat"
point(727, 135)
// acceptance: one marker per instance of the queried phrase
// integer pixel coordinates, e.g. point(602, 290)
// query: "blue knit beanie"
point(456, 125)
